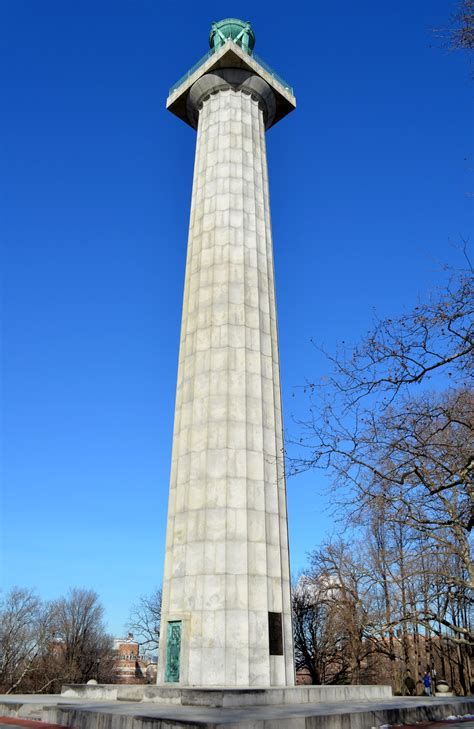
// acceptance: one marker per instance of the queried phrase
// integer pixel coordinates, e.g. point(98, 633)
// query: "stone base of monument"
point(351, 713)
point(224, 697)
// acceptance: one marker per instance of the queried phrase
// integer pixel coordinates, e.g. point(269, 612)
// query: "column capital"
point(236, 79)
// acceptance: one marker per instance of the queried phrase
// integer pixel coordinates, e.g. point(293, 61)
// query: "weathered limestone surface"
point(226, 697)
point(352, 714)
point(227, 561)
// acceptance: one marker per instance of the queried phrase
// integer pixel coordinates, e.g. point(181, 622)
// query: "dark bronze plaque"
point(173, 650)
point(275, 633)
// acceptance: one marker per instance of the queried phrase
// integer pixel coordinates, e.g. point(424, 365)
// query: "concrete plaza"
point(352, 714)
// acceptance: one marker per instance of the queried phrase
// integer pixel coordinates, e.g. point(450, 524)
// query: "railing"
point(273, 73)
point(211, 52)
point(192, 70)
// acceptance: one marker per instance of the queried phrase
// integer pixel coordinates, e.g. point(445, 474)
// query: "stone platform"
point(224, 697)
point(83, 713)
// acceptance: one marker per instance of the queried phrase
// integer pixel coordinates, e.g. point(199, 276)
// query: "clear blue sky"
point(369, 181)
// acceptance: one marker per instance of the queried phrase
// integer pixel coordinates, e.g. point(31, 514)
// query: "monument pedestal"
point(225, 697)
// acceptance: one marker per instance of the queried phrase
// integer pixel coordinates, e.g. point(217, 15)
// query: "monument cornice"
point(230, 55)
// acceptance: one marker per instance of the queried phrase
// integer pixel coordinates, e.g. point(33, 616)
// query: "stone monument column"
point(226, 613)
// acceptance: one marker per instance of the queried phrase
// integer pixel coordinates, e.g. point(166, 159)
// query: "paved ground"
point(9, 723)
point(447, 724)
point(232, 715)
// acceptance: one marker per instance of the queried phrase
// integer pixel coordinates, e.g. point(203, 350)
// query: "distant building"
point(303, 677)
point(130, 666)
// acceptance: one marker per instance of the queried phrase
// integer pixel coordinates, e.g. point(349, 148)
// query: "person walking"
point(427, 683)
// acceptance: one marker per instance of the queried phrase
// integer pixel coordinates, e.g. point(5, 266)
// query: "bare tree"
point(394, 425)
point(81, 646)
point(437, 336)
point(338, 566)
point(45, 644)
point(462, 32)
point(144, 620)
point(24, 633)
point(317, 649)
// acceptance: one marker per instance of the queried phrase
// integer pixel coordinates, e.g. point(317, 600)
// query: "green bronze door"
point(173, 649)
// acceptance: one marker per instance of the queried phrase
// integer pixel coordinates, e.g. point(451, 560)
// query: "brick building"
point(130, 666)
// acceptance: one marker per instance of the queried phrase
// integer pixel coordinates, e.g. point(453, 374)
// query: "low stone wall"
point(104, 691)
point(22, 709)
point(218, 698)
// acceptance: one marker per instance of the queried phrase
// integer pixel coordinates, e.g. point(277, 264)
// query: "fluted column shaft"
point(227, 563)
